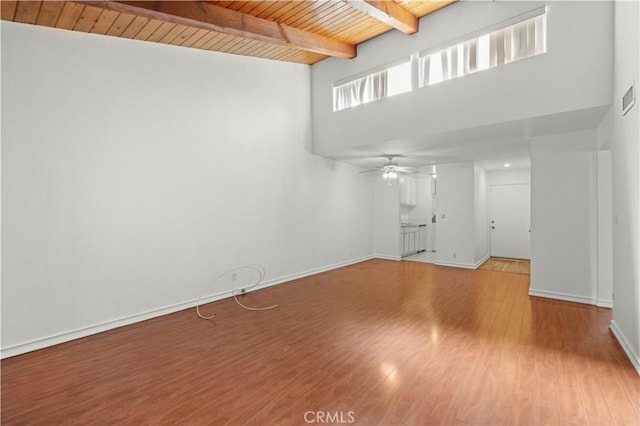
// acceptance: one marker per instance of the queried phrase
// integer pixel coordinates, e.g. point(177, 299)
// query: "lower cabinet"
point(413, 239)
point(410, 239)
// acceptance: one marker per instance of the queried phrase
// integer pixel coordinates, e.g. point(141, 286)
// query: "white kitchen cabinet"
point(409, 239)
point(422, 238)
point(408, 191)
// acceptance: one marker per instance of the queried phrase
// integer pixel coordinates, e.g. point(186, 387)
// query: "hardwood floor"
point(507, 265)
point(390, 342)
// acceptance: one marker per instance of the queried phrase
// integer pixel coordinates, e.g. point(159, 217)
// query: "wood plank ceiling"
point(294, 31)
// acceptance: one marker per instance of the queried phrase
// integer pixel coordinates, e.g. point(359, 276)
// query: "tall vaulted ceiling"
point(294, 31)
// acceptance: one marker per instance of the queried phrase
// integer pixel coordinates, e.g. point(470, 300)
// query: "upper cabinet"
point(408, 191)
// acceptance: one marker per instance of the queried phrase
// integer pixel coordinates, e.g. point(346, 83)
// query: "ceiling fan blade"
point(407, 169)
point(391, 155)
point(370, 170)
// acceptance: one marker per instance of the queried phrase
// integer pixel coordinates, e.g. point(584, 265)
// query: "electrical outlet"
point(455, 255)
point(234, 277)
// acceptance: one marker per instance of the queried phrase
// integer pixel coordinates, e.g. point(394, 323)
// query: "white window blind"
point(521, 40)
point(377, 85)
point(520, 37)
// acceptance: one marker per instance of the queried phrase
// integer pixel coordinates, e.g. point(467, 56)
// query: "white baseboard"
point(314, 271)
point(562, 296)
point(481, 261)
point(66, 336)
point(462, 265)
point(385, 257)
point(455, 265)
point(78, 333)
point(604, 303)
point(626, 346)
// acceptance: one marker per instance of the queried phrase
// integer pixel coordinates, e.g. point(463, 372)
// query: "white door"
point(510, 221)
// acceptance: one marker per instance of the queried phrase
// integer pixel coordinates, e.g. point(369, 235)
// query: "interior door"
point(510, 221)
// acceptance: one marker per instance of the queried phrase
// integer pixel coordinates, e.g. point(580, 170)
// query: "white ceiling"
point(490, 146)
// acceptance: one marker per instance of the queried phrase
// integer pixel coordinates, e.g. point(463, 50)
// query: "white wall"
point(579, 55)
point(508, 177)
point(386, 217)
point(1, 186)
point(134, 173)
point(625, 157)
point(462, 206)
point(605, 229)
point(481, 214)
point(455, 232)
point(564, 216)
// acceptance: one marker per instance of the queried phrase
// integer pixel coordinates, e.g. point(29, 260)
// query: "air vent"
point(629, 99)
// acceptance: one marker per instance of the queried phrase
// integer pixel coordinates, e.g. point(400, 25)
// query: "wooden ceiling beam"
point(208, 16)
point(389, 12)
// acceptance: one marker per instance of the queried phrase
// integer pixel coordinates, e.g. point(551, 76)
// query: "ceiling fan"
point(391, 169)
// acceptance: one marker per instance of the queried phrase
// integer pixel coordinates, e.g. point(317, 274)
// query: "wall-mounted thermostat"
point(629, 99)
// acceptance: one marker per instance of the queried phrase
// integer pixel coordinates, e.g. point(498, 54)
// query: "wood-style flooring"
point(507, 265)
point(392, 342)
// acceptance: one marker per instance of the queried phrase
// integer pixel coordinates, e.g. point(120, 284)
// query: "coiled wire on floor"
point(260, 274)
